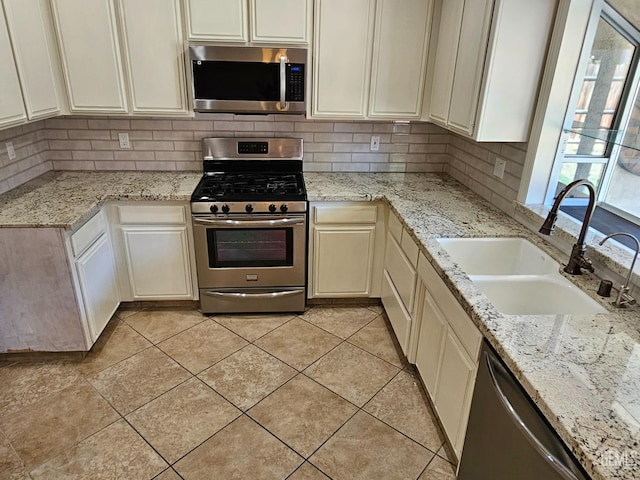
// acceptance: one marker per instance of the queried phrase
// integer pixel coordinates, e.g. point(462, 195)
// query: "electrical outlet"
point(124, 140)
point(10, 150)
point(375, 143)
point(498, 169)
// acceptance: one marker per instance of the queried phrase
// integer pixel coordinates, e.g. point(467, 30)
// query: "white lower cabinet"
point(158, 262)
point(398, 315)
point(446, 354)
point(154, 251)
point(92, 254)
point(97, 281)
point(345, 249)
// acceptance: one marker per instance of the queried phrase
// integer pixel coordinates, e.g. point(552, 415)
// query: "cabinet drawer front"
point(398, 315)
point(88, 233)
point(410, 248)
point(458, 320)
point(401, 272)
point(395, 227)
point(152, 215)
point(350, 214)
point(431, 338)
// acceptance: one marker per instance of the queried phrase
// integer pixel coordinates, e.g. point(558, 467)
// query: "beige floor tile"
point(181, 419)
point(444, 454)
point(201, 346)
point(439, 469)
point(158, 325)
point(376, 308)
point(117, 452)
point(341, 321)
point(242, 450)
point(308, 472)
point(11, 467)
point(23, 384)
point(352, 373)
point(377, 338)
point(168, 474)
point(117, 342)
point(402, 405)
point(302, 414)
point(252, 327)
point(137, 380)
point(298, 343)
point(247, 376)
point(367, 449)
point(56, 422)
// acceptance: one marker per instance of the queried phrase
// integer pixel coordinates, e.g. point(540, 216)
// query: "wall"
point(91, 143)
point(31, 150)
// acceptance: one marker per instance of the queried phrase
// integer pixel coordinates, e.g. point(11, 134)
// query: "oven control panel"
point(232, 208)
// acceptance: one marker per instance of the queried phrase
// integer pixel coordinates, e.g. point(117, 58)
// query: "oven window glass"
point(250, 247)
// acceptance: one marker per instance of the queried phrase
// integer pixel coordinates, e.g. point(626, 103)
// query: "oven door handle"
point(285, 293)
point(250, 223)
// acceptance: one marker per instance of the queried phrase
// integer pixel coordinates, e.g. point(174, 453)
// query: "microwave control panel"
point(295, 82)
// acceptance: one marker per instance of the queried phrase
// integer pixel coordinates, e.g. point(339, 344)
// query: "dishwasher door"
point(507, 437)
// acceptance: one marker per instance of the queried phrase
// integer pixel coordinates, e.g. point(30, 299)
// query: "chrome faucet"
point(623, 297)
point(577, 260)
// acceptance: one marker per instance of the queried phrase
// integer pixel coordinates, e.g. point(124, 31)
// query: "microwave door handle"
point(283, 82)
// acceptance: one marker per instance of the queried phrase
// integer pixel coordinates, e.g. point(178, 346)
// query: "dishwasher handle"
point(555, 462)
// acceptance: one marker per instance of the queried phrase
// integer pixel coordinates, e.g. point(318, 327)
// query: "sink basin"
point(499, 256)
point(536, 295)
point(518, 277)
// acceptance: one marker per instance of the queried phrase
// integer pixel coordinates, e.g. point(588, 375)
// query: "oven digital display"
point(251, 247)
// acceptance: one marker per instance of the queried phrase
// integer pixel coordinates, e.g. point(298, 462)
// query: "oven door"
point(237, 251)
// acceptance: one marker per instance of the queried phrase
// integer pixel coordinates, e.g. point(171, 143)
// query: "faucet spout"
point(623, 297)
point(577, 260)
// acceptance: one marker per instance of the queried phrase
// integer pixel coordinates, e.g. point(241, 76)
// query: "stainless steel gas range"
point(250, 226)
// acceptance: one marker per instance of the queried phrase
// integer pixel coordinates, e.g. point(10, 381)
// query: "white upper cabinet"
point(342, 60)
point(397, 78)
point(217, 20)
point(152, 41)
point(31, 32)
point(12, 109)
point(280, 21)
point(90, 51)
point(370, 58)
point(488, 62)
point(243, 21)
point(102, 57)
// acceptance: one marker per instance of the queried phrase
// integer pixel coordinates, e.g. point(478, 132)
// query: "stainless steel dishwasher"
point(507, 437)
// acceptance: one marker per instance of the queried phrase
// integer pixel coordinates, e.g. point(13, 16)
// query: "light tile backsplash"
point(91, 143)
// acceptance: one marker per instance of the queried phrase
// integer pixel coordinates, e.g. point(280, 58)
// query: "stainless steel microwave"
point(248, 79)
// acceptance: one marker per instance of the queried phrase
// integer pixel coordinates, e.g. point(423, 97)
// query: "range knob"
point(272, 208)
point(225, 208)
point(283, 207)
point(249, 208)
point(214, 208)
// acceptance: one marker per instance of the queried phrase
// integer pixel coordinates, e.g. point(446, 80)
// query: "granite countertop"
point(583, 371)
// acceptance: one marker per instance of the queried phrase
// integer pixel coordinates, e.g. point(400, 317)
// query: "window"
point(602, 143)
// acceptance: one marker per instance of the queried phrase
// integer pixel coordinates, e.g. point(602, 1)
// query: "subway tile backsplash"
point(91, 143)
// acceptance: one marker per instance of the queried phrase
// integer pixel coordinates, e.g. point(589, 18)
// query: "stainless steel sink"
point(518, 277)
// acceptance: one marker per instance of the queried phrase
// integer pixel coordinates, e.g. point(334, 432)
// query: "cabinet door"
point(431, 338)
point(153, 52)
point(217, 20)
point(12, 109)
point(472, 49)
point(342, 61)
point(97, 277)
point(158, 262)
point(445, 61)
point(342, 261)
point(30, 28)
point(280, 21)
point(90, 51)
point(454, 388)
point(397, 78)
